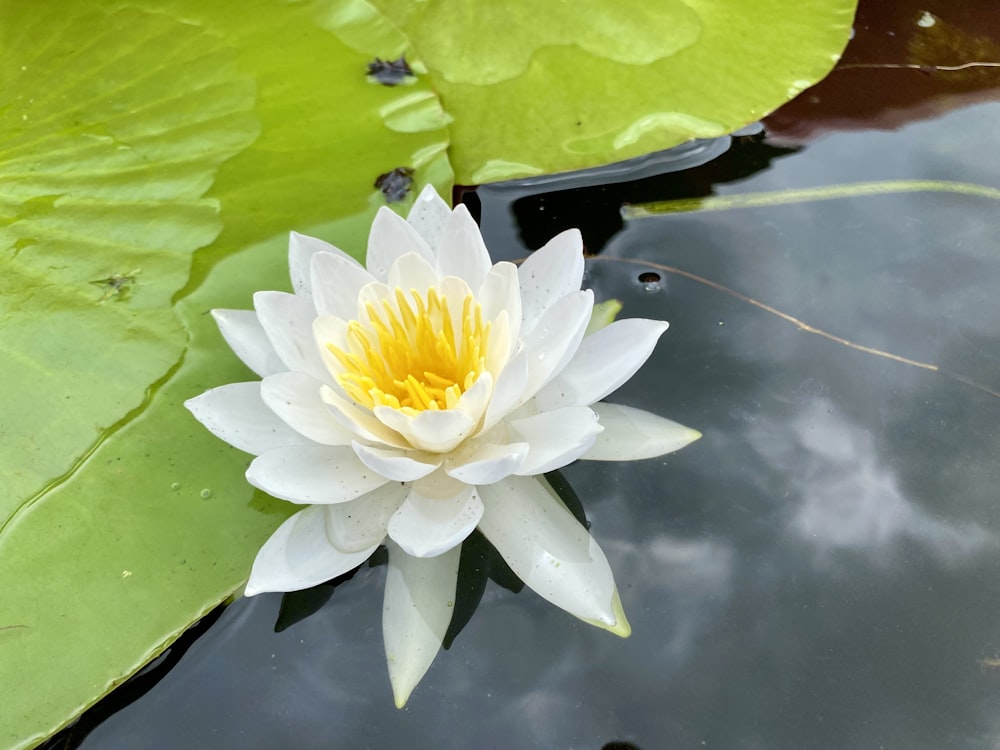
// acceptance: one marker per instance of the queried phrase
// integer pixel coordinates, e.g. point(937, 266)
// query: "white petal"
point(633, 433)
point(549, 273)
point(556, 338)
point(475, 400)
point(500, 345)
point(336, 281)
point(501, 291)
point(429, 523)
point(509, 388)
point(429, 215)
point(434, 431)
point(604, 361)
point(299, 555)
point(395, 464)
point(461, 251)
point(236, 413)
point(360, 420)
point(489, 463)
point(454, 290)
point(245, 335)
point(374, 295)
point(313, 474)
point(330, 330)
point(411, 271)
point(359, 524)
point(391, 237)
point(416, 612)
point(294, 397)
point(287, 320)
point(550, 551)
point(556, 437)
point(301, 249)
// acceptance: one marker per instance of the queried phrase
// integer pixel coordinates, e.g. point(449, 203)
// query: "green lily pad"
point(143, 145)
point(154, 529)
point(537, 88)
point(106, 153)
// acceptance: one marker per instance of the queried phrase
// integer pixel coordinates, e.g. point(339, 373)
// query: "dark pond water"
point(821, 570)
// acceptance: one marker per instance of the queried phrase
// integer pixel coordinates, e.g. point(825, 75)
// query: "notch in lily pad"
point(395, 185)
point(391, 72)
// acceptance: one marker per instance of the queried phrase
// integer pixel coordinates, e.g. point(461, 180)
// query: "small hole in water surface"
point(650, 281)
point(620, 746)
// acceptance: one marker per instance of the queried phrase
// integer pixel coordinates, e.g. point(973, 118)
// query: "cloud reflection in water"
point(848, 498)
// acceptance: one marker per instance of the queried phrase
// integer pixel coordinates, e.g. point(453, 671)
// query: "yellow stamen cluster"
point(410, 356)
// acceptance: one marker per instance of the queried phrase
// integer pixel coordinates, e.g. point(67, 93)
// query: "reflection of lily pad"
point(903, 64)
point(528, 96)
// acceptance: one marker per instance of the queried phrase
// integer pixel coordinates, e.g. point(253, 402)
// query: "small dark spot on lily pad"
point(118, 286)
point(395, 185)
point(390, 72)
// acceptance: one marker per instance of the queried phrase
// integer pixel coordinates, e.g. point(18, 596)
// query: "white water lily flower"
point(411, 401)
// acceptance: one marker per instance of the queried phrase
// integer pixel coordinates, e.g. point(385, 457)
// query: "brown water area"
point(909, 60)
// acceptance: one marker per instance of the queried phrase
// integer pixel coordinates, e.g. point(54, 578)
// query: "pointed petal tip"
point(417, 610)
point(254, 587)
point(384, 212)
point(401, 695)
point(686, 437)
point(429, 192)
point(573, 235)
point(194, 405)
point(618, 623)
point(252, 590)
point(631, 434)
point(622, 627)
point(221, 316)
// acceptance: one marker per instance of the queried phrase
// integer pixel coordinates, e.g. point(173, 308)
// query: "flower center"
point(410, 356)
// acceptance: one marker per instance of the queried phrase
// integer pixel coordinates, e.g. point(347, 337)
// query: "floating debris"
point(390, 72)
point(117, 286)
point(395, 185)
